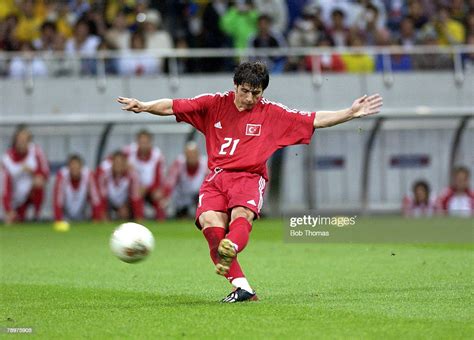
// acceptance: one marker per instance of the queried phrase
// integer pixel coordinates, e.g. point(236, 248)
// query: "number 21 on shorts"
point(228, 142)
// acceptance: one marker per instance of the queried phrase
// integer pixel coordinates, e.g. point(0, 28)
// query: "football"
point(132, 242)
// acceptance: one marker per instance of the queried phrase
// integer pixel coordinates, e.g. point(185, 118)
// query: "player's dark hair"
point(19, 129)
point(253, 73)
point(422, 184)
point(144, 132)
point(75, 158)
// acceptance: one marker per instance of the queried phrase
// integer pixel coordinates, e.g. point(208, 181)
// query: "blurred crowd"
point(133, 28)
point(131, 178)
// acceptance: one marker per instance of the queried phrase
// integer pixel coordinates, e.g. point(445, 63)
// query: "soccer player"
point(419, 203)
point(25, 172)
point(148, 162)
point(74, 187)
point(458, 199)
point(120, 188)
point(184, 179)
point(242, 130)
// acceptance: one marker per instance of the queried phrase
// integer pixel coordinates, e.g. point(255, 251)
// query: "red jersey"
point(16, 182)
point(243, 140)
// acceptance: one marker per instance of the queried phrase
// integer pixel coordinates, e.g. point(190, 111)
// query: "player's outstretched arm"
point(361, 107)
point(160, 107)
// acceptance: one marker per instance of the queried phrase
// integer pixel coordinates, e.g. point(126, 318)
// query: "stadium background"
point(425, 128)
point(68, 285)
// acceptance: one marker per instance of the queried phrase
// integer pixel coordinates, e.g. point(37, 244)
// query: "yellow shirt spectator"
point(28, 28)
point(358, 63)
point(450, 33)
point(7, 7)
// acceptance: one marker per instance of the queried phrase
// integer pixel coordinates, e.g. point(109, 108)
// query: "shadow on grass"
point(59, 296)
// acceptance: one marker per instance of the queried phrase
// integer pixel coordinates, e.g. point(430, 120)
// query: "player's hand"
point(367, 105)
point(131, 104)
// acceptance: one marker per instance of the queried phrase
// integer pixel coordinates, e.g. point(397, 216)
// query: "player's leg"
point(245, 196)
point(213, 228)
point(37, 194)
point(20, 212)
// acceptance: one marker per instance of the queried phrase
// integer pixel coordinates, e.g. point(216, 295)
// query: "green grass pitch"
point(69, 285)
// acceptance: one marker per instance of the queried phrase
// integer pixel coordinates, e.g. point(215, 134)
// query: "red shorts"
point(224, 190)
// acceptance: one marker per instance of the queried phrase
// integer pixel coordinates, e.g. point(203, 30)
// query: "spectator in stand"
point(47, 40)
point(396, 62)
point(325, 62)
point(306, 32)
point(74, 188)
point(450, 31)
point(338, 31)
point(119, 35)
point(469, 23)
point(29, 22)
point(240, 23)
point(84, 44)
point(156, 36)
point(395, 13)
point(370, 25)
point(277, 10)
point(78, 8)
point(429, 61)
point(7, 8)
point(458, 199)
point(8, 40)
point(212, 36)
point(358, 62)
point(25, 172)
point(120, 189)
point(113, 7)
point(266, 38)
point(63, 21)
point(458, 10)
point(27, 63)
point(185, 178)
point(138, 61)
point(148, 162)
point(407, 34)
point(420, 202)
point(417, 13)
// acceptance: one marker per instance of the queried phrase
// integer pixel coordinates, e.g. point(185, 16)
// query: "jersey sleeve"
point(291, 127)
point(193, 111)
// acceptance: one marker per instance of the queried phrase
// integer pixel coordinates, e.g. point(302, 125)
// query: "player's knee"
point(244, 212)
point(213, 219)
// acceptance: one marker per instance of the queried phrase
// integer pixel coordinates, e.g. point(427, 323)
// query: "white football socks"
point(241, 282)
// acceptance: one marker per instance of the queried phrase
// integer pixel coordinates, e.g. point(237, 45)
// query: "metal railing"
point(173, 56)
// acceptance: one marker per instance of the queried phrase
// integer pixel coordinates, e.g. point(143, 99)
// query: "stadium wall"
point(337, 166)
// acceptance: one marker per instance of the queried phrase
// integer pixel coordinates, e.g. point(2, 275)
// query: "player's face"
point(461, 181)
point(75, 168)
point(192, 156)
point(144, 144)
point(22, 141)
point(420, 194)
point(119, 165)
point(247, 96)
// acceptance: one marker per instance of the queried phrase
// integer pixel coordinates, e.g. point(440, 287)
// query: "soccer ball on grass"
point(132, 242)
